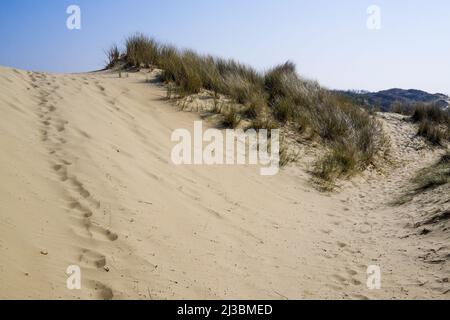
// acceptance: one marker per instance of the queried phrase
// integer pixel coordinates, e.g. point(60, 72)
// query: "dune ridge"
point(87, 180)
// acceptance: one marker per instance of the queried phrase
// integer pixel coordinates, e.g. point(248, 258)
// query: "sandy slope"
point(86, 179)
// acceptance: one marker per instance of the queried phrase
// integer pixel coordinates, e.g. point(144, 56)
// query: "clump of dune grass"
point(282, 85)
point(230, 118)
point(351, 149)
point(141, 51)
point(351, 134)
point(435, 176)
point(287, 156)
point(263, 122)
point(181, 69)
point(432, 132)
point(431, 112)
point(433, 121)
point(341, 160)
point(269, 100)
point(113, 56)
point(256, 105)
point(428, 179)
point(402, 108)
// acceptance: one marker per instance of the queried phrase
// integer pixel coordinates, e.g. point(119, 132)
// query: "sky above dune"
point(349, 44)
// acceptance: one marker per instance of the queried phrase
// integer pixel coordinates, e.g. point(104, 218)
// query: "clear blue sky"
point(327, 39)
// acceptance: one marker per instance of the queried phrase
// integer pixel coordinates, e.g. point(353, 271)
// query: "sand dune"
point(86, 179)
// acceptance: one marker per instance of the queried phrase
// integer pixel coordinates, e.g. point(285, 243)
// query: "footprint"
point(341, 244)
point(351, 272)
point(61, 171)
point(340, 279)
point(335, 287)
point(84, 134)
point(61, 125)
point(103, 291)
point(79, 186)
point(44, 135)
point(102, 232)
point(92, 259)
point(102, 89)
point(65, 162)
point(360, 297)
point(76, 205)
point(94, 231)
